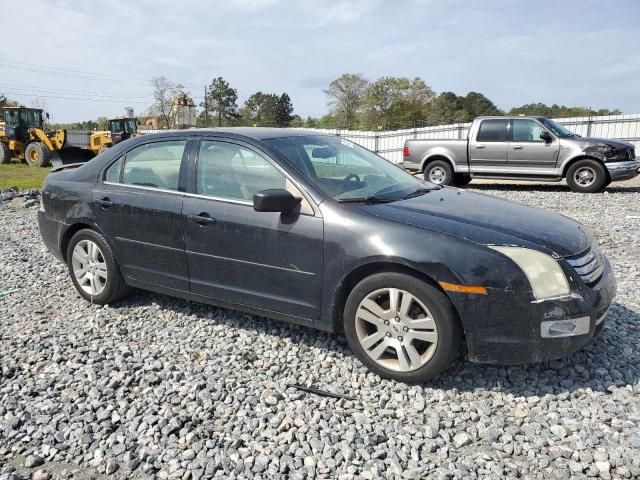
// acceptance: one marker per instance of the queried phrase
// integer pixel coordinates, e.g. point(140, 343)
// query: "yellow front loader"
point(22, 136)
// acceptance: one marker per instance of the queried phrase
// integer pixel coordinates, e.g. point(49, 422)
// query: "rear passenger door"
point(138, 206)
point(488, 150)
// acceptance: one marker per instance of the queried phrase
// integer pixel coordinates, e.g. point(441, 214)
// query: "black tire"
point(37, 155)
point(461, 179)
point(5, 153)
point(115, 287)
point(439, 172)
point(446, 319)
point(590, 167)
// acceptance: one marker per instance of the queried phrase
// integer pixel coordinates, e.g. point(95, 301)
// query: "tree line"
point(387, 103)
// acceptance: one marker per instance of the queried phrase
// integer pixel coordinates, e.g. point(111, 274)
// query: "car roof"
point(256, 133)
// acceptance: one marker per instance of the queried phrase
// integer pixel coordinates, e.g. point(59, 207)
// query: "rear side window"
point(493, 131)
point(155, 165)
point(113, 172)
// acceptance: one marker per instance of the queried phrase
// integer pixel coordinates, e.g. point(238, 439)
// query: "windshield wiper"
point(380, 199)
point(370, 199)
point(420, 191)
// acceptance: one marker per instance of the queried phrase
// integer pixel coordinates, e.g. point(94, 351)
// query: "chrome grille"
point(589, 265)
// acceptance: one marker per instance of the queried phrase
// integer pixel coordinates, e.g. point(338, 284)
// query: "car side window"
point(112, 174)
point(155, 165)
point(525, 130)
point(227, 170)
point(493, 131)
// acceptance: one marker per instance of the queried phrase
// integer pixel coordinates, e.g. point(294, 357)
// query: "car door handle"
point(104, 202)
point(479, 147)
point(203, 219)
point(518, 147)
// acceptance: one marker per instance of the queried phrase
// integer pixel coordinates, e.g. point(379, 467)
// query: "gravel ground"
point(155, 386)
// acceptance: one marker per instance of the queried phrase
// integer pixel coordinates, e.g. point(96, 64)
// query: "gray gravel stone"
point(156, 387)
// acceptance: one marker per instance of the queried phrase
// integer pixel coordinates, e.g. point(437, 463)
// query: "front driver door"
point(527, 149)
point(264, 260)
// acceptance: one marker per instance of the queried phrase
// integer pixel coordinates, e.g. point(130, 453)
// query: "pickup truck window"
point(493, 131)
point(525, 130)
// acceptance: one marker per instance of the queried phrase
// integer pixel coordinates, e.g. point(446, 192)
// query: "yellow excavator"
point(22, 136)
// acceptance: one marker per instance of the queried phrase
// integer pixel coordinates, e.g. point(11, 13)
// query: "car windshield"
point(558, 129)
point(346, 171)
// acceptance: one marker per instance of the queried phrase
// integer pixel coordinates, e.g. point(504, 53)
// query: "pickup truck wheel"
point(587, 176)
point(401, 328)
point(461, 179)
point(438, 172)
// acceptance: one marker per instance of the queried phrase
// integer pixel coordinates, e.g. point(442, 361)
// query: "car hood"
point(488, 220)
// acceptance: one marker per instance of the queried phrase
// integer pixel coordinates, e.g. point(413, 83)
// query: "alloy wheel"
point(89, 267)
point(396, 329)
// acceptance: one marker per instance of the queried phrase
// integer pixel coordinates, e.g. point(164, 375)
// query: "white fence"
point(389, 144)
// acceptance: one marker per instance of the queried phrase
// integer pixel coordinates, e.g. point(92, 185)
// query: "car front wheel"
point(93, 268)
point(401, 328)
point(587, 176)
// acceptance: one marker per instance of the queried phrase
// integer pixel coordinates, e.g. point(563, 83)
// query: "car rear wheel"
point(439, 172)
point(93, 268)
point(401, 328)
point(587, 176)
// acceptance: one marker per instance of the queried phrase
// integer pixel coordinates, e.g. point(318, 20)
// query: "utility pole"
point(206, 108)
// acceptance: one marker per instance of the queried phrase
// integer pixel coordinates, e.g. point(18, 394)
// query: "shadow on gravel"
point(600, 365)
point(551, 187)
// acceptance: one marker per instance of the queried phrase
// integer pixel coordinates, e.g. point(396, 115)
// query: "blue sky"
point(572, 52)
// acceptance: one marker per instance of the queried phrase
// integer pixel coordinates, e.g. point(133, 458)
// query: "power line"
point(86, 99)
point(33, 89)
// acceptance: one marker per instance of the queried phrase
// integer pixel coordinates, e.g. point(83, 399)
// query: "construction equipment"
point(122, 128)
point(22, 136)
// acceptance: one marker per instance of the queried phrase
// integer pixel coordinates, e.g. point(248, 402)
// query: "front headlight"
point(544, 274)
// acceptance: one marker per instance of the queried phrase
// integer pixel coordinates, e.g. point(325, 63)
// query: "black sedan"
point(316, 230)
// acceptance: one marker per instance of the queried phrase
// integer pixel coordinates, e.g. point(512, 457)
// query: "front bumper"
point(507, 327)
point(623, 170)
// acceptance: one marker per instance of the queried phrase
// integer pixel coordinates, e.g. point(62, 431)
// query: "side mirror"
point(275, 200)
point(546, 136)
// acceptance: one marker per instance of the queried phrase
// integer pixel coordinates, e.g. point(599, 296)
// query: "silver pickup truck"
point(523, 148)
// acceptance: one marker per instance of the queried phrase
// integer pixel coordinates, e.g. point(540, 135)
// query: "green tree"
point(284, 111)
point(556, 111)
point(221, 101)
point(346, 97)
point(381, 98)
point(260, 109)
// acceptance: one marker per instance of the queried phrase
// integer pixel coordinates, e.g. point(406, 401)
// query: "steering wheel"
point(352, 179)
